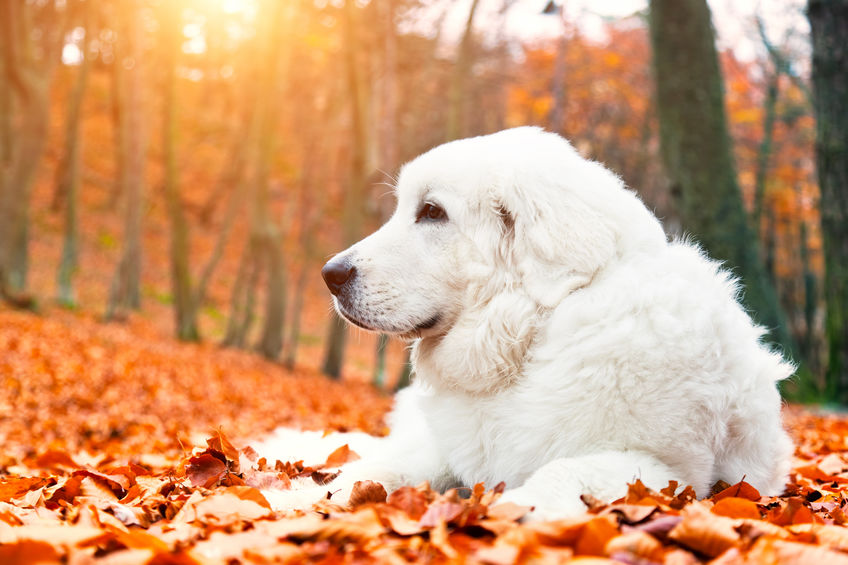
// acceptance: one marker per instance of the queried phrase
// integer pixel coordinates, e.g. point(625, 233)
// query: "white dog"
point(561, 343)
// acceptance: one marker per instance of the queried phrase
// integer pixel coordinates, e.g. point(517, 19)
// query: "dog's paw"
point(296, 499)
point(542, 509)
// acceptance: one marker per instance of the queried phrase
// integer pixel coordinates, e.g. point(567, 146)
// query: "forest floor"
point(121, 446)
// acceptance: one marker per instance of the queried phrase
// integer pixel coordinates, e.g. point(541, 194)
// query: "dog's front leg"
point(408, 456)
point(555, 489)
point(400, 462)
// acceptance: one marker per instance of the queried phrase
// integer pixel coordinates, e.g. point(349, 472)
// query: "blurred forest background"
point(192, 163)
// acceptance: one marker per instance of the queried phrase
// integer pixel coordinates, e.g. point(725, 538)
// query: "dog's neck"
point(484, 351)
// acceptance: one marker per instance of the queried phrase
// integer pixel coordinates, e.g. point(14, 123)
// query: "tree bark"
point(696, 151)
point(353, 211)
point(68, 177)
point(125, 293)
point(185, 313)
point(829, 26)
point(765, 150)
point(27, 82)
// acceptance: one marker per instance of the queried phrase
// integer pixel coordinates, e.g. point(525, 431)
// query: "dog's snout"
point(336, 273)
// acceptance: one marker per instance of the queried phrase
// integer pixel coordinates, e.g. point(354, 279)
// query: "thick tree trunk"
point(829, 26)
point(68, 176)
point(696, 150)
point(125, 293)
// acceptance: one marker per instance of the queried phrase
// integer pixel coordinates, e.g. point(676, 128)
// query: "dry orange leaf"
point(595, 535)
point(341, 456)
point(734, 507)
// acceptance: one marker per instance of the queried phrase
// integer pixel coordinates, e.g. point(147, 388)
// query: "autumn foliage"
point(117, 449)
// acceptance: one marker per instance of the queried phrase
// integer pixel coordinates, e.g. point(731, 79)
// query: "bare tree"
point(353, 217)
point(68, 171)
point(125, 293)
point(264, 248)
point(31, 39)
point(185, 313)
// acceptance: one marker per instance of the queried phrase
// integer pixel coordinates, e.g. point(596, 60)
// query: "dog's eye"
point(430, 212)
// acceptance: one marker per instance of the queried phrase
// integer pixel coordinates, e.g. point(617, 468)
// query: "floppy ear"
point(556, 244)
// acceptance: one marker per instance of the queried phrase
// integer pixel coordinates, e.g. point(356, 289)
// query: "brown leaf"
point(13, 487)
point(219, 442)
point(633, 513)
point(56, 459)
point(227, 506)
point(705, 532)
point(322, 478)
point(734, 507)
point(635, 544)
point(739, 490)
point(409, 499)
point(398, 520)
point(366, 492)
point(507, 511)
point(28, 552)
point(341, 456)
point(595, 536)
point(118, 484)
point(205, 470)
point(440, 513)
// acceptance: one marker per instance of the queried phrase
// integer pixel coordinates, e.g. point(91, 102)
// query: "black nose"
point(336, 273)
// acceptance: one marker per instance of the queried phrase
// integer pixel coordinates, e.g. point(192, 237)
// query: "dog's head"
point(489, 234)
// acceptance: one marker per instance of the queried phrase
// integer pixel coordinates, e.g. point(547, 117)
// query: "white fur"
point(576, 349)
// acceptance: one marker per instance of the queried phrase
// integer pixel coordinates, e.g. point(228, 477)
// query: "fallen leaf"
point(366, 492)
point(205, 470)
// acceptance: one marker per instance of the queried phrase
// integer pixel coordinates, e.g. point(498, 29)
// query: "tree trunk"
point(27, 83)
point(265, 229)
point(68, 177)
point(125, 291)
point(389, 154)
point(459, 78)
point(354, 196)
point(765, 150)
point(696, 150)
point(379, 379)
point(120, 125)
point(185, 314)
point(243, 298)
point(829, 26)
point(294, 328)
point(232, 173)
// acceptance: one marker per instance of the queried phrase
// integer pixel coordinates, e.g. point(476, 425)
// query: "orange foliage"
point(99, 421)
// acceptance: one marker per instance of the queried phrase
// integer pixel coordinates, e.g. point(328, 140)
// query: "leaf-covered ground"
point(121, 447)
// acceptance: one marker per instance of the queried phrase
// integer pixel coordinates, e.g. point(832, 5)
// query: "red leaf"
point(205, 470)
point(410, 500)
